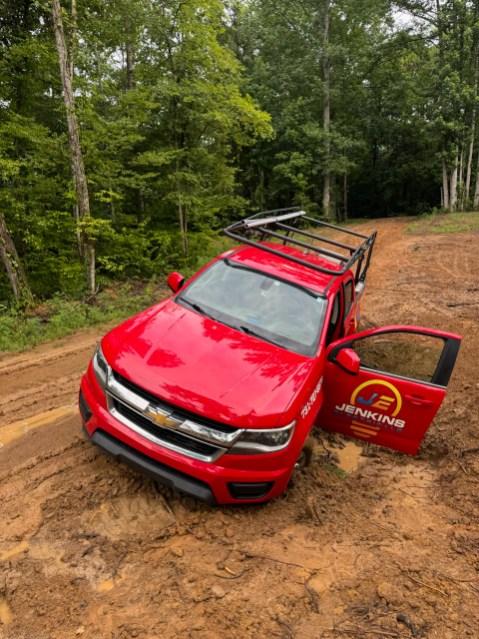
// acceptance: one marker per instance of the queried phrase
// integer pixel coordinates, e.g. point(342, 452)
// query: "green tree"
point(301, 58)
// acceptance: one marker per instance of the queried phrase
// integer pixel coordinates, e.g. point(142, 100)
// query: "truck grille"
point(167, 425)
point(178, 411)
point(166, 435)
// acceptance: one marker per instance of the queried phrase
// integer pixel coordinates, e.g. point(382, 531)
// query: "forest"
point(131, 131)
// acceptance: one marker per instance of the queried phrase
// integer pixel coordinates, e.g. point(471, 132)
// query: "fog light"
point(250, 491)
point(85, 411)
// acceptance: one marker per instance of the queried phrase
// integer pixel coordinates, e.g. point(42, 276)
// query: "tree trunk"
point(453, 187)
point(460, 182)
point(467, 190)
point(112, 203)
point(11, 262)
point(76, 156)
point(473, 128)
point(326, 113)
point(476, 192)
point(345, 197)
point(76, 217)
point(130, 62)
point(181, 215)
point(183, 228)
point(261, 189)
point(73, 36)
point(445, 186)
point(447, 193)
point(90, 262)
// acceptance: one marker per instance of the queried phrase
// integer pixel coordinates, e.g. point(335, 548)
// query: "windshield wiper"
point(196, 307)
point(251, 331)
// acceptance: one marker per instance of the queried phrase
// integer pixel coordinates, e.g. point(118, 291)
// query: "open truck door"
point(386, 385)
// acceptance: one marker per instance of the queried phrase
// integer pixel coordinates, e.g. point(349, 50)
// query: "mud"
point(365, 544)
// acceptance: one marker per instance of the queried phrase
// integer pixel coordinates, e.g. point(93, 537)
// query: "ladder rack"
point(293, 227)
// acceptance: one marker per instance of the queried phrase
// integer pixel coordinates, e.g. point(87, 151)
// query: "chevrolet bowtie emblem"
point(160, 417)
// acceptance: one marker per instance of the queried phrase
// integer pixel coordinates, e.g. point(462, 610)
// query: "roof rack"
point(272, 224)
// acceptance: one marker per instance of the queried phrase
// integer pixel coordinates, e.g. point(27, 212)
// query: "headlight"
point(254, 442)
point(101, 368)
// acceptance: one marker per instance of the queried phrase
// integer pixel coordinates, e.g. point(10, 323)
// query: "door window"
point(348, 297)
point(410, 355)
point(334, 319)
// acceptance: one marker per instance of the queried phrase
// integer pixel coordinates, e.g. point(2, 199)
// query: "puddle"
point(16, 430)
point(128, 515)
point(105, 586)
point(50, 552)
point(6, 615)
point(15, 550)
point(108, 584)
point(349, 457)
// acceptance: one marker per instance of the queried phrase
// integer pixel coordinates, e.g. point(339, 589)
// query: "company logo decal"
point(312, 398)
point(374, 405)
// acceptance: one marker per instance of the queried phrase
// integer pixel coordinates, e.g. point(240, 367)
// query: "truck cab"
point(215, 390)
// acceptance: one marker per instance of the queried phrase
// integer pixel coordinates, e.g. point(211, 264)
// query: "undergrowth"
point(60, 316)
point(445, 223)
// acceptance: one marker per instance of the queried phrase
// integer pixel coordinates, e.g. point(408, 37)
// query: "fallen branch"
point(233, 575)
point(422, 583)
point(456, 579)
point(250, 555)
point(313, 595)
point(475, 449)
point(416, 497)
point(286, 626)
point(461, 466)
point(454, 304)
point(367, 631)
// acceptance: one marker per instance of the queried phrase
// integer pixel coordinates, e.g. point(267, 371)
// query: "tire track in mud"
point(13, 430)
point(48, 353)
point(43, 380)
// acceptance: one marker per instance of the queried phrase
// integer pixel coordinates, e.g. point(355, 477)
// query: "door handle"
point(418, 401)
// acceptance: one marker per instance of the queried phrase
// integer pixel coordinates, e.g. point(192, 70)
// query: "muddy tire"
point(306, 456)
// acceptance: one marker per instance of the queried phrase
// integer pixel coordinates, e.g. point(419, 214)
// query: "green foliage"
point(193, 112)
point(446, 223)
point(381, 141)
point(335, 470)
point(64, 314)
point(163, 115)
point(61, 316)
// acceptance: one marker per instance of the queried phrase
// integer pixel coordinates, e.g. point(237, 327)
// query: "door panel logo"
point(374, 405)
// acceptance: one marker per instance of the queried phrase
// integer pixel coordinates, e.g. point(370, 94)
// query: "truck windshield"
point(258, 304)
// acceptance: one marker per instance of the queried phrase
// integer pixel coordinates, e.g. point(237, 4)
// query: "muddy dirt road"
point(365, 544)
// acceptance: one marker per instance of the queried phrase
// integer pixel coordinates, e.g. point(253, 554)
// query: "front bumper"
point(231, 479)
point(152, 468)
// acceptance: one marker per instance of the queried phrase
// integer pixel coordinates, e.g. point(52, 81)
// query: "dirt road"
point(365, 544)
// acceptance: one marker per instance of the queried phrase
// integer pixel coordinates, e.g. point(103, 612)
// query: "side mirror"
point(175, 281)
point(348, 360)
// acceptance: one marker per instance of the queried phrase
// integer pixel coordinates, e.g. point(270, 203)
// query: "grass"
point(59, 316)
point(62, 316)
point(335, 470)
point(445, 223)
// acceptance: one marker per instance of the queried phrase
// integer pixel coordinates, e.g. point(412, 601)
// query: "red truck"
point(215, 390)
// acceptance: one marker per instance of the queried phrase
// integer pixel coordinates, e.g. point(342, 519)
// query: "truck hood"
point(206, 367)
